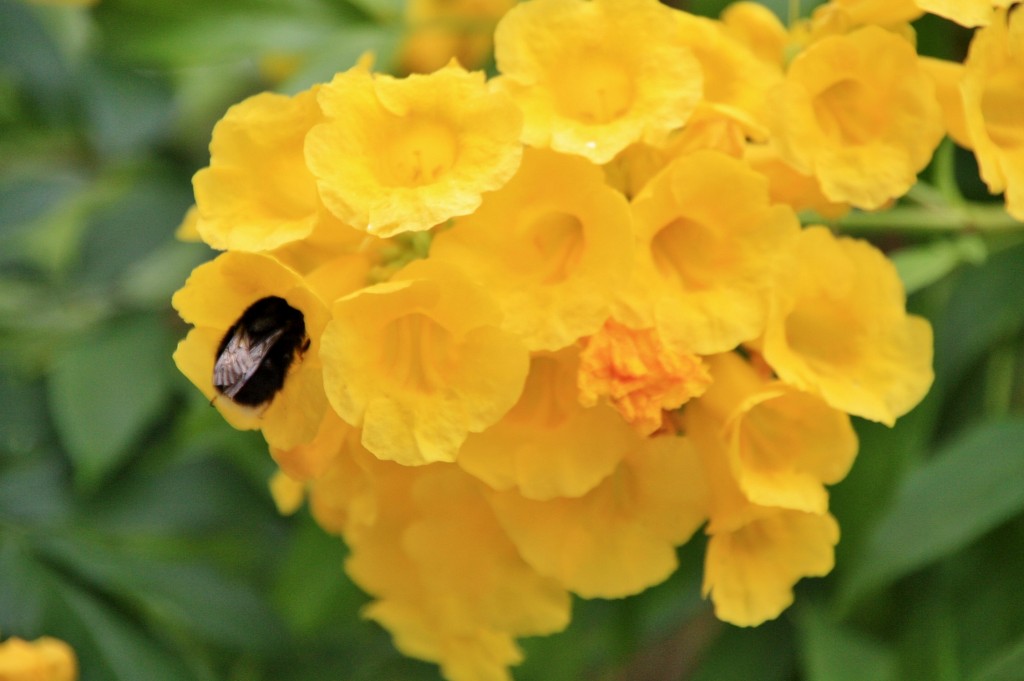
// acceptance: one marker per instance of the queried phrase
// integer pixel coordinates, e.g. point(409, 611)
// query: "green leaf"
point(1006, 666)
point(832, 652)
point(107, 389)
point(964, 491)
point(741, 654)
point(921, 266)
point(22, 588)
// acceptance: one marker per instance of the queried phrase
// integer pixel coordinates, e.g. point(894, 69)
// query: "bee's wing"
point(240, 359)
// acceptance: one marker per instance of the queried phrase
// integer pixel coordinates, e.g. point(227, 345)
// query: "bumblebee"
point(256, 353)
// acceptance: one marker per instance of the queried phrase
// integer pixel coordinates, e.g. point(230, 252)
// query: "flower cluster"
point(560, 320)
point(45, 659)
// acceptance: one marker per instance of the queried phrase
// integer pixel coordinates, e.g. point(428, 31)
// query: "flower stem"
point(919, 219)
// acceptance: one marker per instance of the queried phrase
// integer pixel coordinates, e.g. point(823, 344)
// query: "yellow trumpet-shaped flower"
point(551, 247)
point(594, 76)
point(859, 113)
point(839, 328)
point(993, 97)
point(709, 249)
point(549, 445)
point(402, 155)
point(213, 300)
point(420, 362)
point(782, 445)
point(257, 193)
point(446, 581)
point(620, 537)
point(44, 659)
point(965, 12)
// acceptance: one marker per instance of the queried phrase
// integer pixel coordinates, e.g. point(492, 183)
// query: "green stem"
point(966, 217)
point(944, 173)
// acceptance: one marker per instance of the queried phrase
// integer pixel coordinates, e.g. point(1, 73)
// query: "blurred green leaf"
point(34, 491)
point(765, 653)
point(107, 389)
point(921, 266)
point(1008, 665)
point(964, 491)
point(833, 652)
point(22, 587)
point(192, 596)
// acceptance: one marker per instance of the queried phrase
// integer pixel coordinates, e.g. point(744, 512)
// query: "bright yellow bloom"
point(709, 248)
point(840, 16)
point(551, 247)
point(638, 375)
point(45, 659)
point(947, 76)
point(788, 185)
point(549, 445)
point(187, 231)
point(750, 570)
point(755, 554)
point(447, 582)
point(287, 492)
point(594, 76)
point(736, 81)
point(309, 460)
point(344, 497)
point(401, 155)
point(782, 445)
point(619, 538)
point(420, 362)
point(859, 113)
point(440, 30)
point(257, 194)
point(993, 96)
point(759, 29)
point(212, 300)
point(839, 328)
point(965, 12)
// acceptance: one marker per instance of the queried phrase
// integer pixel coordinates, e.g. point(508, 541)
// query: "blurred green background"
point(136, 525)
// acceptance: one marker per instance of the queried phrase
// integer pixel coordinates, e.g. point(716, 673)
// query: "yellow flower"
point(709, 248)
point(736, 81)
point(420, 362)
point(45, 659)
point(400, 155)
point(755, 554)
point(187, 229)
point(549, 445)
point(844, 15)
point(593, 77)
point(839, 328)
point(759, 29)
point(551, 247)
point(782, 445)
point(287, 492)
point(257, 194)
point(213, 300)
point(858, 113)
point(749, 571)
point(619, 538)
point(309, 460)
point(640, 376)
point(446, 581)
point(965, 12)
point(788, 185)
point(947, 76)
point(993, 96)
point(440, 30)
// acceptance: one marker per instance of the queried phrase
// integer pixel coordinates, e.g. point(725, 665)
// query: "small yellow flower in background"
point(759, 29)
point(993, 97)
point(551, 247)
point(858, 113)
point(709, 249)
point(593, 77)
point(839, 328)
point(402, 155)
point(440, 30)
point(212, 300)
point(44, 659)
point(257, 193)
point(420, 362)
point(638, 375)
point(619, 538)
point(549, 445)
point(446, 580)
